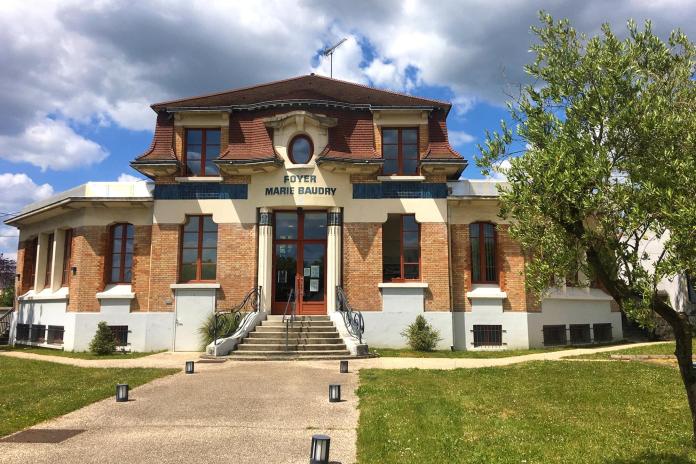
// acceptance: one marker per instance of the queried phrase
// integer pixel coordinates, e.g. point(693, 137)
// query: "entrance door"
point(299, 261)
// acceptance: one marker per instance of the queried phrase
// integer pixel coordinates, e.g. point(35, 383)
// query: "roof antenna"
point(330, 51)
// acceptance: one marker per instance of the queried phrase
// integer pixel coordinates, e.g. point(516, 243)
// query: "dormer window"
point(202, 148)
point(300, 149)
point(400, 151)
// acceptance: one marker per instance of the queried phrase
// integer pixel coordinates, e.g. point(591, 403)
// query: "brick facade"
point(461, 267)
point(236, 263)
point(362, 265)
point(164, 264)
point(90, 245)
point(435, 266)
point(140, 284)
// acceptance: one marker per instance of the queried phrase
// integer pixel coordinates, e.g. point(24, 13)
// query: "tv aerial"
point(329, 51)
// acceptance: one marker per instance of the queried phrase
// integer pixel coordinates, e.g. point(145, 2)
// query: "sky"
point(77, 78)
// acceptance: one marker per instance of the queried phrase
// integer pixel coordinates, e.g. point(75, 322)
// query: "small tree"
point(7, 296)
point(609, 127)
point(104, 341)
point(421, 336)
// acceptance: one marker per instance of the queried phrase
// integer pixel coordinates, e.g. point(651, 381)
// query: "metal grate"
point(22, 332)
point(602, 333)
point(55, 335)
point(555, 335)
point(37, 333)
point(488, 335)
point(120, 334)
point(580, 334)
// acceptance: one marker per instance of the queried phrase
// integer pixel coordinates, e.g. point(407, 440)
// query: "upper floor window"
point(483, 253)
point(198, 249)
point(121, 254)
point(48, 271)
point(300, 149)
point(400, 151)
point(67, 257)
point(400, 248)
point(202, 148)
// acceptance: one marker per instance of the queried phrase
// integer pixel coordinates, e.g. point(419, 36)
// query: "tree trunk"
point(683, 333)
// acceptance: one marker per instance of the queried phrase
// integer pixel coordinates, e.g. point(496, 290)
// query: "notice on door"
point(315, 272)
point(313, 285)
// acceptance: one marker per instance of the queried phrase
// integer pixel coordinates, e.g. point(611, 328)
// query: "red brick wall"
point(26, 262)
point(140, 283)
point(461, 266)
point(90, 244)
point(362, 265)
point(164, 266)
point(236, 263)
point(435, 266)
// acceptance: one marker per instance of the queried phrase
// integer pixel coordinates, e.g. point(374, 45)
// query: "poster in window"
point(282, 276)
point(315, 272)
point(313, 285)
point(306, 272)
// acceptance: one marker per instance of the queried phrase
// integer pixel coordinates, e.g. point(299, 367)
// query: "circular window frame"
point(292, 143)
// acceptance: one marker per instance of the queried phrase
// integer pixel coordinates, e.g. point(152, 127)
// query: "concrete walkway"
point(242, 413)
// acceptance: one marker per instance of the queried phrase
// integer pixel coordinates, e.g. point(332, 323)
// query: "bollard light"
point(121, 392)
point(189, 367)
point(344, 367)
point(334, 393)
point(319, 452)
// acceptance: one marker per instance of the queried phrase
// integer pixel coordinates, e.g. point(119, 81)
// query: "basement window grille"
point(55, 334)
point(580, 334)
point(38, 333)
point(602, 333)
point(120, 334)
point(488, 335)
point(23, 332)
point(555, 335)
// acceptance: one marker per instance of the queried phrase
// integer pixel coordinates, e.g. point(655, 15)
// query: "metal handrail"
point(290, 320)
point(354, 321)
point(5, 322)
point(250, 304)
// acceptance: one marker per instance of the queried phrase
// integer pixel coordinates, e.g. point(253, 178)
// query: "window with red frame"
point(483, 253)
point(198, 249)
point(49, 260)
point(400, 248)
point(121, 254)
point(202, 148)
point(400, 151)
point(67, 257)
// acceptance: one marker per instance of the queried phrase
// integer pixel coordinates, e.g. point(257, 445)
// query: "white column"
point(40, 265)
point(58, 258)
point(265, 275)
point(333, 257)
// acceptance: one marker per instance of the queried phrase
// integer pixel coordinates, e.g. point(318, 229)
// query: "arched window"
point(483, 253)
point(121, 254)
point(300, 149)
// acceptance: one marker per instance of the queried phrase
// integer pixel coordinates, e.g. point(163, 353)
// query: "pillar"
point(265, 275)
point(333, 257)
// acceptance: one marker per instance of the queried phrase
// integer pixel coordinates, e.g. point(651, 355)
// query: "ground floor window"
point(22, 332)
point(488, 335)
point(602, 333)
point(55, 335)
point(120, 334)
point(400, 248)
point(555, 335)
point(579, 334)
point(38, 333)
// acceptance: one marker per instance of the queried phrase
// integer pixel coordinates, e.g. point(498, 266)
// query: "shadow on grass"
point(650, 457)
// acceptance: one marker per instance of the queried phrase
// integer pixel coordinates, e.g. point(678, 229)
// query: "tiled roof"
point(352, 138)
point(438, 146)
point(310, 87)
point(249, 138)
point(162, 147)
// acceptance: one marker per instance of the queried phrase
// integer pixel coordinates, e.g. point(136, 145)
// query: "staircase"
point(5, 322)
point(308, 337)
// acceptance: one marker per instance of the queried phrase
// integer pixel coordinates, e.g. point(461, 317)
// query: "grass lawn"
point(73, 354)
point(661, 348)
point(538, 412)
point(406, 353)
point(33, 391)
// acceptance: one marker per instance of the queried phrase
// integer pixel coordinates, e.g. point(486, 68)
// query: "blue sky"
point(78, 77)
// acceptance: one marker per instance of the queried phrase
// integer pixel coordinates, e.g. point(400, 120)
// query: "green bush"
point(7, 297)
point(421, 336)
point(227, 325)
point(103, 342)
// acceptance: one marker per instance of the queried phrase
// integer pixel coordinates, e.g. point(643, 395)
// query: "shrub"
point(227, 325)
point(7, 297)
point(103, 341)
point(421, 336)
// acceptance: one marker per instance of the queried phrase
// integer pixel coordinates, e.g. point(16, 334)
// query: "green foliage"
point(609, 130)
point(103, 342)
point(421, 336)
point(7, 296)
point(227, 325)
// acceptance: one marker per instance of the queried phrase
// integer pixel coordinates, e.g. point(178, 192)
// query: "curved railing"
point(249, 305)
point(355, 324)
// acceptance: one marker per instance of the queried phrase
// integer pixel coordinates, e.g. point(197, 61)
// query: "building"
point(297, 187)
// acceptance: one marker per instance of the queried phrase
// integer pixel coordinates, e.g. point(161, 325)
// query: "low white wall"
point(383, 329)
point(515, 329)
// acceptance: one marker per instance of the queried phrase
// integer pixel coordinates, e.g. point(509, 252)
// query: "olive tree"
point(608, 127)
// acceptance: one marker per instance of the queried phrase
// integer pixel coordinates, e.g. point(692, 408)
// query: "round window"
point(300, 149)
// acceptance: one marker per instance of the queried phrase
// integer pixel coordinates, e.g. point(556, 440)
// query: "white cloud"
point(458, 137)
point(500, 171)
point(51, 144)
point(129, 178)
point(16, 191)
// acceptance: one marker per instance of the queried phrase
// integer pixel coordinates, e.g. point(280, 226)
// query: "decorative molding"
point(374, 191)
point(335, 218)
point(201, 191)
point(266, 218)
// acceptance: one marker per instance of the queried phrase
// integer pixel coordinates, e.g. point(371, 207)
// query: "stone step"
point(305, 334)
point(276, 317)
point(294, 357)
point(293, 341)
point(288, 354)
point(297, 324)
point(295, 347)
point(281, 329)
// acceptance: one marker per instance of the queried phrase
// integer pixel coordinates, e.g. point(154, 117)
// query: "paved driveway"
point(228, 413)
